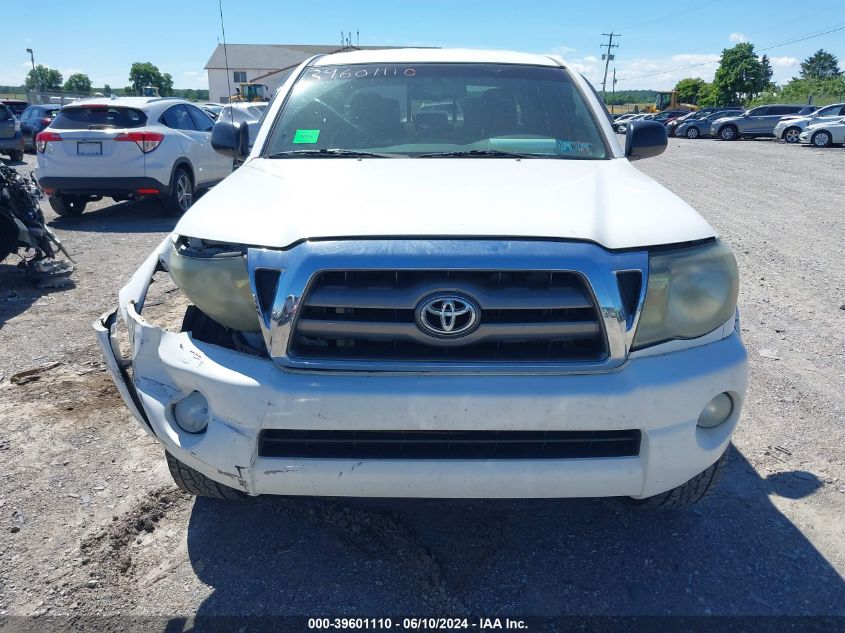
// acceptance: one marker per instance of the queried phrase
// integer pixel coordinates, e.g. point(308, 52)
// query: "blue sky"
point(102, 38)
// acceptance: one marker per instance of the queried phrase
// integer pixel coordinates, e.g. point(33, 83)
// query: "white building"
point(267, 64)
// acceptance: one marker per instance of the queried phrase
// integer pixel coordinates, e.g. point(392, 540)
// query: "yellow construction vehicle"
point(668, 100)
point(250, 93)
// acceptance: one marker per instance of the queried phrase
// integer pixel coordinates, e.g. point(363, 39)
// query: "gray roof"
point(272, 56)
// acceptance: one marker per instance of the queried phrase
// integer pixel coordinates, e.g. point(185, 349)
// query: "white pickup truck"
point(437, 274)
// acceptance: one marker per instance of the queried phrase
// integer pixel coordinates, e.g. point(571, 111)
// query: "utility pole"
point(607, 57)
point(613, 89)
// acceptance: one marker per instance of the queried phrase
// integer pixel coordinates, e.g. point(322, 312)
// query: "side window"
point(201, 120)
point(26, 115)
point(5, 113)
point(239, 76)
point(177, 118)
point(759, 111)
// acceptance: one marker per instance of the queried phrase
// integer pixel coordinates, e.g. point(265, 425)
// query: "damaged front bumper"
point(660, 395)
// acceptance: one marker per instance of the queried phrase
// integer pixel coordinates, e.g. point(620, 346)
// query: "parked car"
point(667, 115)
point(622, 118)
point(127, 148)
point(759, 121)
point(17, 106)
point(824, 133)
point(790, 128)
point(11, 141)
point(213, 109)
point(623, 126)
point(35, 119)
point(672, 125)
point(700, 126)
point(370, 317)
point(248, 113)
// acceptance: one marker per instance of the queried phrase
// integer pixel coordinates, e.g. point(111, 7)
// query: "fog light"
point(717, 411)
point(191, 413)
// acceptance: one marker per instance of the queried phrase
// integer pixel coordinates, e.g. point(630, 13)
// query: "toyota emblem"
point(447, 315)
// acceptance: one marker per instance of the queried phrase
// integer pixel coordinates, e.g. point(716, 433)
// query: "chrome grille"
point(526, 316)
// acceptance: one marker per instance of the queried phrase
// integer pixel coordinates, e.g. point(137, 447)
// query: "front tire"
point(181, 193)
point(821, 139)
point(693, 133)
point(16, 156)
point(689, 493)
point(728, 133)
point(791, 134)
point(195, 483)
point(68, 205)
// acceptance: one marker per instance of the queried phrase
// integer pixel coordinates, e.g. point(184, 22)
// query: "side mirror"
point(230, 139)
point(644, 139)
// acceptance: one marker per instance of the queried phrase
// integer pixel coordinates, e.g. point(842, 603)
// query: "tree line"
point(744, 79)
point(140, 74)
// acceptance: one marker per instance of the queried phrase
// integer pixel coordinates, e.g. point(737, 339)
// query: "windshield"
point(437, 109)
point(98, 116)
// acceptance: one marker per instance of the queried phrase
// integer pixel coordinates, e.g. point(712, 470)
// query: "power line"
point(608, 56)
point(767, 48)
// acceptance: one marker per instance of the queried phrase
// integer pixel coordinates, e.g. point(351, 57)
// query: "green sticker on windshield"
point(306, 136)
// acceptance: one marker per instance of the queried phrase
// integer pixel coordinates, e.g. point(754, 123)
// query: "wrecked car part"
point(22, 230)
point(214, 277)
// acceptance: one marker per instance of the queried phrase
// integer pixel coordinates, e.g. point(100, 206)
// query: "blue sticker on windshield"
point(573, 146)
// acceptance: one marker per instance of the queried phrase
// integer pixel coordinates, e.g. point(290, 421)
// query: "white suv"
point(128, 148)
point(437, 274)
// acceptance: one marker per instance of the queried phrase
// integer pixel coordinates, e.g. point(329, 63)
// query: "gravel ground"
point(91, 523)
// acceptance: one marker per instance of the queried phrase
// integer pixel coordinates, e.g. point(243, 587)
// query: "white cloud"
point(562, 50)
point(737, 37)
point(629, 70)
point(784, 62)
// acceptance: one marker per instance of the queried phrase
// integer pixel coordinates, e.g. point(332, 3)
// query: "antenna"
point(226, 57)
point(357, 38)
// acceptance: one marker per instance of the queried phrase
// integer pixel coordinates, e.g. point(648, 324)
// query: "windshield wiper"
point(477, 153)
point(329, 153)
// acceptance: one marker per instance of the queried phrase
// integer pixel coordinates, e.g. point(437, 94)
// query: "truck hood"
point(277, 202)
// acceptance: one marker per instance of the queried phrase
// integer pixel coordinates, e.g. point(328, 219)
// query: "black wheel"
point(791, 134)
point(68, 205)
point(16, 155)
point(821, 138)
point(728, 133)
point(686, 494)
point(195, 483)
point(181, 193)
point(692, 132)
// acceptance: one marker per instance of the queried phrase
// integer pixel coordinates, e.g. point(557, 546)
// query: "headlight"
point(215, 278)
point(690, 293)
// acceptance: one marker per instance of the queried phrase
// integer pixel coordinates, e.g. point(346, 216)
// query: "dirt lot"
point(91, 523)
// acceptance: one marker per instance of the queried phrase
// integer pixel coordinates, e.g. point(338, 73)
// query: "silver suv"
point(128, 148)
point(760, 121)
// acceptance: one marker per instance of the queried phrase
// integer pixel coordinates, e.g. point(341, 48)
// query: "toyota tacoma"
point(438, 274)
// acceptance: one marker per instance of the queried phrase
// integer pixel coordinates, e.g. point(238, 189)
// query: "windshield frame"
point(609, 148)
